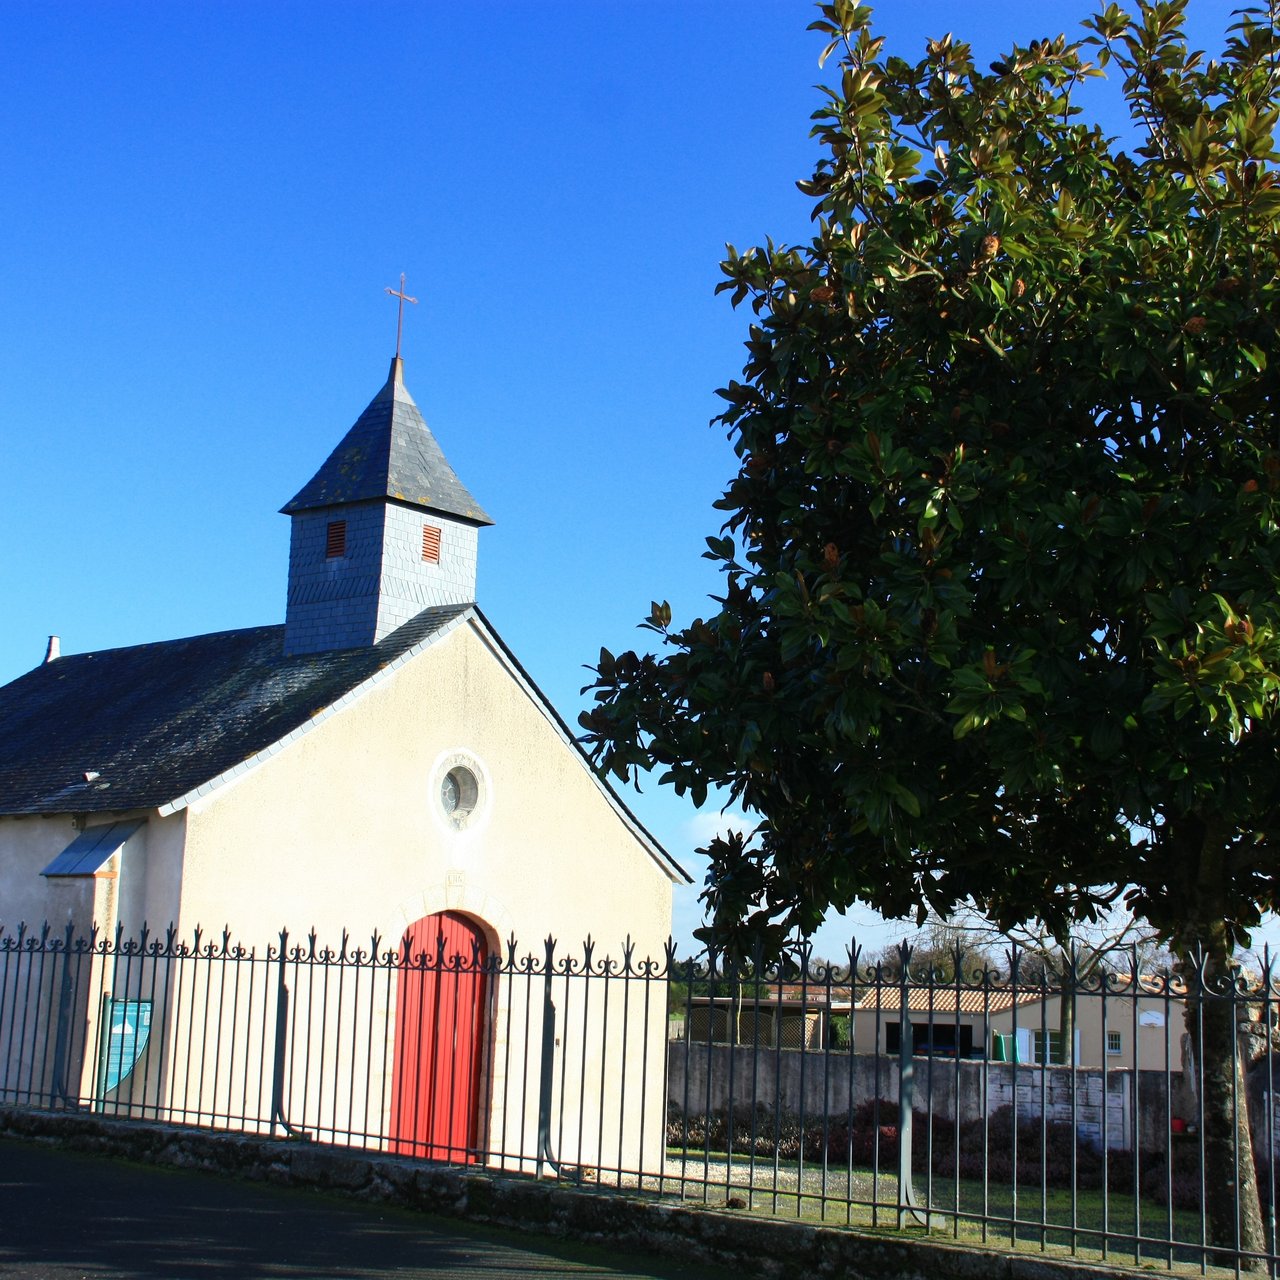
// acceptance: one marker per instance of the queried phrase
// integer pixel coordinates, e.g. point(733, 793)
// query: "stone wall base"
point(755, 1246)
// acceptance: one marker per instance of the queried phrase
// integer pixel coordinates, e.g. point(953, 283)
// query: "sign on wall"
point(127, 1026)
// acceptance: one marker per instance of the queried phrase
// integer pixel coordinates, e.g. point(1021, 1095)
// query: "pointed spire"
point(394, 387)
point(389, 453)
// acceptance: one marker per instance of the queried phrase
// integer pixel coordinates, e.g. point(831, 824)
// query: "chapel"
point(378, 759)
point(329, 845)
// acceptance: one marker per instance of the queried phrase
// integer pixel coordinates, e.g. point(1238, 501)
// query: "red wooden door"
point(440, 1035)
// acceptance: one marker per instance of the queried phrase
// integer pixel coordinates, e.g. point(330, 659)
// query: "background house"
point(1009, 1024)
point(1025, 1025)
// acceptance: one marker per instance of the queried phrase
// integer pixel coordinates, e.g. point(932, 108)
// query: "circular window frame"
point(470, 782)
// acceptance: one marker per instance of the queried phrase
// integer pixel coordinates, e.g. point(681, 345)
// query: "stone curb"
point(768, 1247)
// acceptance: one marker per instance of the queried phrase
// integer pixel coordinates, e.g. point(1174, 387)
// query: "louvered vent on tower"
point(431, 543)
point(335, 543)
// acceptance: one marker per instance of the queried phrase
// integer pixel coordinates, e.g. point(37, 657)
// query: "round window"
point(459, 792)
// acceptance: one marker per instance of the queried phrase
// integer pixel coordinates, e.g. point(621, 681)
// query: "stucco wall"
point(147, 875)
point(1156, 1026)
point(343, 829)
point(27, 846)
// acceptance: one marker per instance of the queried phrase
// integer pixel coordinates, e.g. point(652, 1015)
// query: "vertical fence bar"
point(853, 955)
point(1135, 1141)
point(988, 1044)
point(30, 1012)
point(1013, 1128)
point(567, 1042)
point(48, 1041)
point(623, 1056)
point(877, 978)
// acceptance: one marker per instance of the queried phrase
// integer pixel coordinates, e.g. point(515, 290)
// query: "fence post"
point(547, 1076)
point(282, 1036)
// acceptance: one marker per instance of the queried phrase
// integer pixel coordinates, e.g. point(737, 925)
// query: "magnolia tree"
point(999, 621)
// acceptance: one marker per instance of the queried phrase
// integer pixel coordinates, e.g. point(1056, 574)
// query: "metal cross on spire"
point(404, 297)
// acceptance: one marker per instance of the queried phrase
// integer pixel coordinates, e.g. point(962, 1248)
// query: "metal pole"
point(282, 1040)
point(545, 1154)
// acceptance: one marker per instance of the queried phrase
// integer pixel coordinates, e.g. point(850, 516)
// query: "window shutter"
point(335, 543)
point(431, 544)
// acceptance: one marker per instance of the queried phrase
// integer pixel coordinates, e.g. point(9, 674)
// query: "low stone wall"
point(754, 1246)
point(703, 1079)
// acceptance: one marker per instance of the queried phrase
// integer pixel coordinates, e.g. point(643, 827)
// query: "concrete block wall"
point(705, 1078)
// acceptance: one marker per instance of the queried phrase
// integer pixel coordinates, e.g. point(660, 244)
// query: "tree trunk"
point(1232, 1206)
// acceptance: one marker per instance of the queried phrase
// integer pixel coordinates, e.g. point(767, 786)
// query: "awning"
point(89, 851)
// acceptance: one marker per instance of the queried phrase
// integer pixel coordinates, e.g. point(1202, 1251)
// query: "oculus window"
point(460, 789)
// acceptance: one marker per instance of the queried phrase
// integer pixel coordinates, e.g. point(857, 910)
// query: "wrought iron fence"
point(1055, 1109)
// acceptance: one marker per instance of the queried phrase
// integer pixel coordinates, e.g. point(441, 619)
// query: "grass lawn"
point(1092, 1225)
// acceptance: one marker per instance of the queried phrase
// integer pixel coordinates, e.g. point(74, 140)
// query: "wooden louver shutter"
point(335, 543)
point(431, 544)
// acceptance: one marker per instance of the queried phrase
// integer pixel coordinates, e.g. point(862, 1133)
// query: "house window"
point(431, 544)
point(335, 542)
point(938, 1039)
point(1113, 1042)
point(1046, 1047)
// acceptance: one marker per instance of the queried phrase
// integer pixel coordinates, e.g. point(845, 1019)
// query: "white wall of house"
point(342, 829)
point(139, 885)
point(27, 846)
point(1107, 1030)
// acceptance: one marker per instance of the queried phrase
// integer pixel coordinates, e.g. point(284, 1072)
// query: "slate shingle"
point(155, 721)
point(389, 453)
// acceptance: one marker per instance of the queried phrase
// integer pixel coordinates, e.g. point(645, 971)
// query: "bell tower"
point(382, 531)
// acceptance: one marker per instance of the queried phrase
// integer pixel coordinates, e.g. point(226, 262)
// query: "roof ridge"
point(65, 658)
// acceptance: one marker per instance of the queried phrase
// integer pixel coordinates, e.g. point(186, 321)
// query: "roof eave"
point(476, 516)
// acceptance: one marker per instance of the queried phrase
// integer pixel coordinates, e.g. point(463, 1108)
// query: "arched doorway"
point(440, 1038)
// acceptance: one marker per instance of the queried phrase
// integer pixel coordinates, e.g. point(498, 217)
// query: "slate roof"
point(155, 721)
point(389, 453)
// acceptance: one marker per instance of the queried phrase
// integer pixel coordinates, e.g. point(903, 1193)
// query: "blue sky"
point(204, 203)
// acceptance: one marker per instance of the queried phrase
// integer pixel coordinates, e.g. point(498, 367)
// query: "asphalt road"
point(66, 1216)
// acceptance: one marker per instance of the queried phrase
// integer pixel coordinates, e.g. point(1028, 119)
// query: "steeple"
point(382, 531)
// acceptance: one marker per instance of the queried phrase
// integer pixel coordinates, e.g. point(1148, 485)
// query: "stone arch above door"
point(461, 893)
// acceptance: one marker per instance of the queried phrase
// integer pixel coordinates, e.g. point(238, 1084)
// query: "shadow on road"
point(67, 1215)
